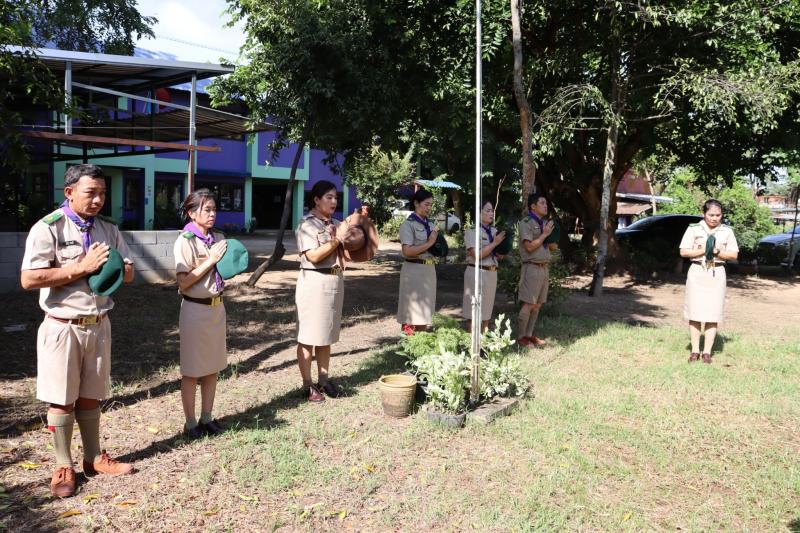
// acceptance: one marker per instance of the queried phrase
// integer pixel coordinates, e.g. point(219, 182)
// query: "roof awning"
point(438, 184)
point(627, 208)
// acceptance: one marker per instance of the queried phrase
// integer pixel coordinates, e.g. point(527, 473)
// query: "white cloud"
point(192, 31)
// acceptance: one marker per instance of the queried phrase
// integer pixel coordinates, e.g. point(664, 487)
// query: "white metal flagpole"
point(476, 294)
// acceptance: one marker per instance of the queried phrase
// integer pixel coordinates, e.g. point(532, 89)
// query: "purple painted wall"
point(285, 156)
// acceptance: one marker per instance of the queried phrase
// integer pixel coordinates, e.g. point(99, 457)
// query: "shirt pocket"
point(420, 235)
point(70, 254)
point(323, 237)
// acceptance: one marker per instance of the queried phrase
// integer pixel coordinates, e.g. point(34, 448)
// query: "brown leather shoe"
point(536, 341)
point(694, 356)
point(315, 395)
point(106, 465)
point(707, 358)
point(63, 483)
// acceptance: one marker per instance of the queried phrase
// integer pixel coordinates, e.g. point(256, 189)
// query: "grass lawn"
point(620, 433)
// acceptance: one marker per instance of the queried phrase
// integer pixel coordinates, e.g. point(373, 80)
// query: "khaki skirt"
point(319, 298)
point(705, 294)
point(204, 347)
point(417, 299)
point(488, 291)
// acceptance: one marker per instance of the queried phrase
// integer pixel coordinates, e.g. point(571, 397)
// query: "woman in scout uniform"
point(202, 320)
point(534, 254)
point(418, 273)
point(320, 289)
point(490, 239)
point(708, 244)
point(73, 350)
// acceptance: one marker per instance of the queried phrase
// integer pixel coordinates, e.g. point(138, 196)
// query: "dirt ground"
point(142, 421)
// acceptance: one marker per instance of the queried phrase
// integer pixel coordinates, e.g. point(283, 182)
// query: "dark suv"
point(656, 238)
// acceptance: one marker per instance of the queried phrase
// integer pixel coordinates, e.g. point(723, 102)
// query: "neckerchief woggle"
point(208, 240)
point(84, 225)
point(424, 222)
point(488, 230)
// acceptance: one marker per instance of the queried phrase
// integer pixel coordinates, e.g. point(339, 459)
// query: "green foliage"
point(500, 370)
point(376, 175)
point(445, 337)
point(687, 199)
point(749, 220)
point(391, 228)
point(448, 378)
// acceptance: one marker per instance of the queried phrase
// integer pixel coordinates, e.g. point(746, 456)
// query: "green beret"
point(440, 248)
point(711, 242)
point(234, 261)
point(504, 248)
point(109, 277)
point(556, 235)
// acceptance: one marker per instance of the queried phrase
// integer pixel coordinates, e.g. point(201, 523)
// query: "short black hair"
point(534, 197)
point(418, 197)
point(76, 172)
point(711, 203)
point(320, 189)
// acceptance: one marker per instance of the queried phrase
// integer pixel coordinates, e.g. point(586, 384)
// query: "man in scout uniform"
point(534, 278)
point(74, 341)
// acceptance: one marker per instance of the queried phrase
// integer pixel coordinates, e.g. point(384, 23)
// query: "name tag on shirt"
point(70, 243)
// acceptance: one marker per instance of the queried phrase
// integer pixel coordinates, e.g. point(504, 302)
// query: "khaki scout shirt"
point(469, 242)
point(312, 233)
point(696, 235)
point(59, 244)
point(412, 233)
point(529, 231)
point(189, 253)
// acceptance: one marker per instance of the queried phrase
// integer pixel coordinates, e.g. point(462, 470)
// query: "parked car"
point(453, 222)
point(774, 250)
point(656, 238)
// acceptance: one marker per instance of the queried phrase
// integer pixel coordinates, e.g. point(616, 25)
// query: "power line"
point(197, 45)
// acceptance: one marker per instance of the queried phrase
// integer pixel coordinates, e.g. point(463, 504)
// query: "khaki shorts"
point(533, 283)
point(73, 361)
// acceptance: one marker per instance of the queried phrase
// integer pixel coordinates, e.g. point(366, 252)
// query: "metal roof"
point(438, 184)
point(126, 73)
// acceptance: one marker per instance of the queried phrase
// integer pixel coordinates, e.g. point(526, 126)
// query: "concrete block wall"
point(151, 251)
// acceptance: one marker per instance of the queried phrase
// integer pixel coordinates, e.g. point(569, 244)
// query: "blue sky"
point(191, 30)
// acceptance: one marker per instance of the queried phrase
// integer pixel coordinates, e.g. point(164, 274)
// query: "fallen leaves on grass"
point(211, 512)
point(90, 497)
point(71, 512)
point(27, 465)
point(127, 503)
point(153, 430)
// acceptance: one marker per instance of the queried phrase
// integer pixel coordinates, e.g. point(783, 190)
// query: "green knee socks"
point(62, 437)
point(89, 424)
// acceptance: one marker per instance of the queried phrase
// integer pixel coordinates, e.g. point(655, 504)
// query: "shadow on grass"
point(719, 344)
point(794, 525)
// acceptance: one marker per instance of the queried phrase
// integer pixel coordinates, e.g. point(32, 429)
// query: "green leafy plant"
point(500, 371)
point(448, 378)
point(443, 339)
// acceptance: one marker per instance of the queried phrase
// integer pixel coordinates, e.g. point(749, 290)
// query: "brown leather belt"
point(216, 300)
point(82, 321)
point(333, 270)
point(422, 261)
point(537, 263)
point(490, 268)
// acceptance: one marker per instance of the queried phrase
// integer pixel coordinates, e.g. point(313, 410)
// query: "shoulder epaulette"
point(52, 217)
point(187, 234)
point(694, 225)
point(107, 219)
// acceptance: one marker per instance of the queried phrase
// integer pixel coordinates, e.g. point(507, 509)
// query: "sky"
point(198, 23)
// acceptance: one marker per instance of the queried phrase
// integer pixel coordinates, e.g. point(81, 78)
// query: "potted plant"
point(448, 378)
point(500, 370)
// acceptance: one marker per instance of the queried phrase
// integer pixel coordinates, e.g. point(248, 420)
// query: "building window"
point(230, 196)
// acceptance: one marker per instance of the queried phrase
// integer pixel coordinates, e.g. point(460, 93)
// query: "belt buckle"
point(216, 300)
point(428, 261)
point(336, 270)
point(89, 320)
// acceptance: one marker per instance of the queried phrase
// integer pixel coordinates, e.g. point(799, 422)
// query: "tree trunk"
point(277, 253)
point(598, 272)
point(528, 168)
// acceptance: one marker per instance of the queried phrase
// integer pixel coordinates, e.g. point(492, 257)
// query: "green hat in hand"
point(234, 261)
point(109, 277)
point(555, 236)
point(440, 248)
point(711, 243)
point(504, 248)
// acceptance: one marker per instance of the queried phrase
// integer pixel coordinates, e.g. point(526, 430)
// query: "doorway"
point(268, 204)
